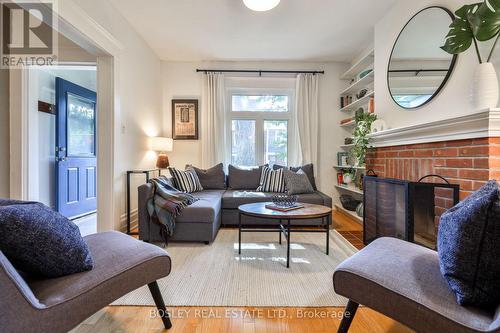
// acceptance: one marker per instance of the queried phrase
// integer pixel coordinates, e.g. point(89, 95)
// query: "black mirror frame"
point(450, 69)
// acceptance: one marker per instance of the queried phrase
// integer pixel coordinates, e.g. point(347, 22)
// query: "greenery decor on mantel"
point(361, 141)
point(478, 22)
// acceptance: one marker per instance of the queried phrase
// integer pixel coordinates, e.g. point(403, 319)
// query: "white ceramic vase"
point(485, 87)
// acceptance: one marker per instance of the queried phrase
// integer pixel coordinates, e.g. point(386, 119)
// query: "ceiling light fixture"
point(261, 5)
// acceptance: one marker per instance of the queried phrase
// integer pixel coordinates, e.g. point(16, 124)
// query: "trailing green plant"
point(361, 141)
point(476, 22)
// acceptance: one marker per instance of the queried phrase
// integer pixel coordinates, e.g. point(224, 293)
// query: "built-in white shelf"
point(365, 62)
point(358, 103)
point(347, 146)
point(365, 82)
point(348, 212)
point(349, 167)
point(349, 188)
point(349, 124)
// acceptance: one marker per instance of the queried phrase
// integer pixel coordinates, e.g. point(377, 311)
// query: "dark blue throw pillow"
point(40, 241)
point(469, 247)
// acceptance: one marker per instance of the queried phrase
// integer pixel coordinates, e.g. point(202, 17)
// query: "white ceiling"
point(296, 30)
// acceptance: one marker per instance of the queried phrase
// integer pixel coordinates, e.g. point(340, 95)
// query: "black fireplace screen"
point(405, 210)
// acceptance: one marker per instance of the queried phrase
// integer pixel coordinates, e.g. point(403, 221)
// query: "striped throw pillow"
point(272, 180)
point(186, 181)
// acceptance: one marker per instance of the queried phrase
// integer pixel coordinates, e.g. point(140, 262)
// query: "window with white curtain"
point(260, 125)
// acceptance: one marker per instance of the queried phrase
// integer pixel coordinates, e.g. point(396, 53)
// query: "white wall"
point(180, 80)
point(4, 134)
point(454, 100)
point(138, 104)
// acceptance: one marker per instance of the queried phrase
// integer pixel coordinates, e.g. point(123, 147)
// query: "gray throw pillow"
point(211, 179)
point(469, 250)
point(40, 241)
point(244, 179)
point(297, 182)
point(308, 170)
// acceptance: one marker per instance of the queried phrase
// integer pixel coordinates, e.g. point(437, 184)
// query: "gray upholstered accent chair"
point(121, 264)
point(402, 280)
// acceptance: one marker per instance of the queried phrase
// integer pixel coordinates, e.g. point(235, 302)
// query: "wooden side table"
point(147, 173)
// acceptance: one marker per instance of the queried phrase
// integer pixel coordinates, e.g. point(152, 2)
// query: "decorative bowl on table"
point(285, 200)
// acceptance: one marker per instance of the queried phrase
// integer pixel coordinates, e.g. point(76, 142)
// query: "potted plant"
point(361, 141)
point(348, 177)
point(478, 22)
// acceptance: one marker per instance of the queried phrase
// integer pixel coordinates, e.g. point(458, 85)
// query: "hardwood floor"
point(254, 320)
point(343, 222)
point(235, 320)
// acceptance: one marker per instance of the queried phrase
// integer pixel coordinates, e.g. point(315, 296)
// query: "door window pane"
point(243, 143)
point(80, 126)
point(260, 103)
point(276, 142)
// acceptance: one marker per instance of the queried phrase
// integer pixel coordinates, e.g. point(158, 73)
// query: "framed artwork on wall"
point(185, 119)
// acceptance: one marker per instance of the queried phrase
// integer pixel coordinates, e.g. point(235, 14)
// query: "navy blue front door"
point(76, 172)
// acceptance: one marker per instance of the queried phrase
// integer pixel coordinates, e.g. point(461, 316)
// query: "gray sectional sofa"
point(201, 221)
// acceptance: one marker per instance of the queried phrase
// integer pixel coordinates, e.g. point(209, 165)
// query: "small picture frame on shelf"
point(342, 159)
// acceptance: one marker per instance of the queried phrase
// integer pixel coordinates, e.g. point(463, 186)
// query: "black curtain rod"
point(257, 71)
point(416, 70)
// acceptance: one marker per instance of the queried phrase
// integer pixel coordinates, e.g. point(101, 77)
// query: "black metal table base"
point(286, 229)
point(148, 176)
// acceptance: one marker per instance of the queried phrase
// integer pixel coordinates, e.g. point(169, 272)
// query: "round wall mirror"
point(418, 68)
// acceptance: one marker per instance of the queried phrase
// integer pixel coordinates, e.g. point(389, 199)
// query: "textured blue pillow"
point(41, 242)
point(469, 247)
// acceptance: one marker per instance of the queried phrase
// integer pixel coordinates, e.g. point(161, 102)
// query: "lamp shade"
point(162, 144)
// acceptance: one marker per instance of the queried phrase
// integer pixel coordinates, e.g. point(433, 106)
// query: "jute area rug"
point(215, 275)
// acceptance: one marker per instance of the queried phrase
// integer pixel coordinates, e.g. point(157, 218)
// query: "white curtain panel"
point(307, 117)
point(213, 120)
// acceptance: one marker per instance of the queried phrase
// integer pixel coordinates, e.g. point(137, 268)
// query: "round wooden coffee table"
point(309, 211)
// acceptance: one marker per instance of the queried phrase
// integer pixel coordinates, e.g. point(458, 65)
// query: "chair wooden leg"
point(155, 292)
point(348, 316)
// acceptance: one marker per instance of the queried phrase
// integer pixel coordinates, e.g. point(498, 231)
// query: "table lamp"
point(162, 146)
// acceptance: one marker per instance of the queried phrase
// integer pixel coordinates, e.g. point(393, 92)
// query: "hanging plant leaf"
point(485, 21)
point(460, 36)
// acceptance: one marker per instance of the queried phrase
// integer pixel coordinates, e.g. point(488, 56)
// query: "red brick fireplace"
point(464, 150)
point(469, 162)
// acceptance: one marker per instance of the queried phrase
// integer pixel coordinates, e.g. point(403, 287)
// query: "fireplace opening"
point(406, 210)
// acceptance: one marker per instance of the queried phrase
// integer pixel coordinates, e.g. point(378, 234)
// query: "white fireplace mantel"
point(476, 125)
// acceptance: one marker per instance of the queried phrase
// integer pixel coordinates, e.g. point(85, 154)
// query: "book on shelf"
point(284, 209)
point(345, 101)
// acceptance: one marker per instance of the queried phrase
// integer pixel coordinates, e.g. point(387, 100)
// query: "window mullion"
point(259, 135)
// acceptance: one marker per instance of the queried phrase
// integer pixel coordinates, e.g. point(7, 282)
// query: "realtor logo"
point(28, 36)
